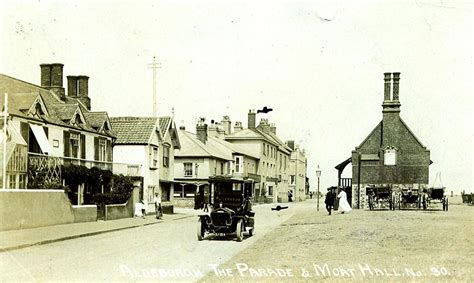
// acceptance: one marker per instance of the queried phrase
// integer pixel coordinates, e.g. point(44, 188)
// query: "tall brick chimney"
point(391, 110)
point(226, 123)
point(78, 88)
point(201, 130)
point(386, 92)
point(396, 86)
point(273, 128)
point(52, 78)
point(251, 119)
point(264, 125)
point(391, 105)
point(238, 127)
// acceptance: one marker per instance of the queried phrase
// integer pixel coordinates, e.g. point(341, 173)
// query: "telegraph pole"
point(154, 65)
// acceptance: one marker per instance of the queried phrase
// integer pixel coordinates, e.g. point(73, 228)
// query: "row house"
point(297, 171)
point(273, 154)
point(206, 154)
point(151, 143)
point(47, 127)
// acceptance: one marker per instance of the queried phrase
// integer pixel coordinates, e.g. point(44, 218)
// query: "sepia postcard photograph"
point(236, 141)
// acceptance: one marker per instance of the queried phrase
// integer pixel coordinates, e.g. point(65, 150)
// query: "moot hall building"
point(390, 156)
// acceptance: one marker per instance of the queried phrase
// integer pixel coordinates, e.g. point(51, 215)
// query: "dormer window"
point(37, 109)
point(77, 120)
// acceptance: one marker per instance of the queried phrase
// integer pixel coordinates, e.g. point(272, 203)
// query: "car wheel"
point(200, 230)
point(238, 231)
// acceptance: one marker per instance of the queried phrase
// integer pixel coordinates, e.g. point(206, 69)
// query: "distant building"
point(391, 156)
point(207, 154)
point(149, 142)
point(274, 156)
point(297, 172)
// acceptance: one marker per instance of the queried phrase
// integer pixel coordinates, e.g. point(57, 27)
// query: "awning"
point(41, 139)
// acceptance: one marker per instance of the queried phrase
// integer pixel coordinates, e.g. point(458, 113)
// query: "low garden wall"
point(22, 209)
point(84, 213)
point(118, 211)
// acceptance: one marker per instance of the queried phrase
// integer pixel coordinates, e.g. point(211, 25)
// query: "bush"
point(120, 193)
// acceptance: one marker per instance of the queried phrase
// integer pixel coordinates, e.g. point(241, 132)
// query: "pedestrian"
point(143, 208)
point(158, 210)
point(206, 208)
point(343, 204)
point(290, 196)
point(329, 201)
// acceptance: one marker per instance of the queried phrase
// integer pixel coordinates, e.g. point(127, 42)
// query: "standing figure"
point(205, 201)
point(343, 204)
point(143, 207)
point(290, 196)
point(329, 201)
point(158, 210)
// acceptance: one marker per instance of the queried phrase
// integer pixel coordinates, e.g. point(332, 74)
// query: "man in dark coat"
point(329, 201)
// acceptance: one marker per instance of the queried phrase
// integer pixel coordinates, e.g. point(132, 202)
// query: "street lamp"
point(318, 174)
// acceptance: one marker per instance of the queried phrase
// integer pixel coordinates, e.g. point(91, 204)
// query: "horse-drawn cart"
point(409, 198)
point(380, 198)
point(434, 196)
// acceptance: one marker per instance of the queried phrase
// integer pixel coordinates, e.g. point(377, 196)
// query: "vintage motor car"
point(231, 208)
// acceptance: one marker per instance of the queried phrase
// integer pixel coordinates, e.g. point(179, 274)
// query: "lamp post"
point(318, 174)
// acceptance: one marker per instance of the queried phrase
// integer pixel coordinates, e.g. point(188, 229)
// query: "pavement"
point(18, 239)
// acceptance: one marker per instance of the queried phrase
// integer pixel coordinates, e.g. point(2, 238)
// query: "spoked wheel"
point(238, 231)
point(200, 230)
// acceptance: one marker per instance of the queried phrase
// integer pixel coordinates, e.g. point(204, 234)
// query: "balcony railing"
point(47, 161)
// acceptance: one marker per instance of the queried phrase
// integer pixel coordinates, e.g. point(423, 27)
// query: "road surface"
point(168, 251)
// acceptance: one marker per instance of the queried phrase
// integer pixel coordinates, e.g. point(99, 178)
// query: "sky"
point(318, 64)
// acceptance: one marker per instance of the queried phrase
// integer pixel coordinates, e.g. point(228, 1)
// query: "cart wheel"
point(200, 230)
point(238, 231)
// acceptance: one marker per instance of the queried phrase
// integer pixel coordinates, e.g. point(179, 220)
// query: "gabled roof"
point(168, 127)
point(22, 95)
point(139, 130)
point(98, 120)
point(192, 147)
point(378, 129)
point(164, 123)
point(213, 148)
point(133, 130)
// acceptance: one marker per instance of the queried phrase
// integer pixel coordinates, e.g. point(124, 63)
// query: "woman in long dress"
point(343, 204)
